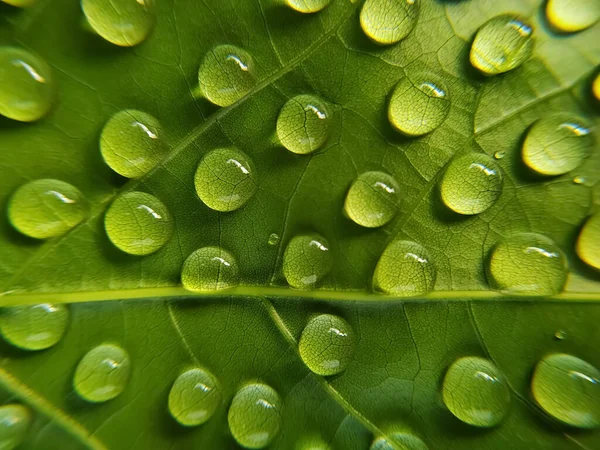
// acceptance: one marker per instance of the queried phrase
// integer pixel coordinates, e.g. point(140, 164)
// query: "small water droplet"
point(499, 154)
point(15, 421)
point(255, 415)
point(476, 392)
point(501, 44)
point(578, 180)
point(570, 16)
point(386, 22)
point(404, 269)
point(194, 397)
point(402, 440)
point(560, 335)
point(210, 269)
point(588, 242)
point(46, 208)
point(327, 345)
point(273, 239)
point(306, 260)
point(312, 443)
point(308, 6)
point(102, 374)
point(527, 264)
point(568, 389)
point(372, 200)
point(34, 327)
point(138, 223)
point(596, 87)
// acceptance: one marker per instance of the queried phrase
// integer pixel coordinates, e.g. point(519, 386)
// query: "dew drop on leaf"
point(476, 392)
point(596, 87)
point(306, 260)
point(138, 223)
point(47, 208)
point(404, 269)
point(255, 415)
point(568, 389)
point(225, 179)
point(501, 44)
point(327, 344)
point(304, 124)
point(578, 180)
point(122, 22)
point(132, 143)
point(34, 327)
point(386, 22)
point(273, 239)
point(570, 16)
point(210, 269)
point(312, 443)
point(372, 200)
point(401, 440)
point(226, 74)
point(308, 6)
point(20, 4)
point(471, 184)
point(499, 155)
point(102, 374)
point(588, 242)
point(15, 421)
point(194, 397)
point(527, 264)
point(419, 104)
point(557, 144)
point(560, 335)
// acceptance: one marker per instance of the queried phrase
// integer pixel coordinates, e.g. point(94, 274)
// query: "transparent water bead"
point(46, 208)
point(372, 200)
point(34, 327)
point(306, 260)
point(226, 74)
point(527, 264)
point(273, 239)
point(502, 44)
point(194, 397)
point(588, 242)
point(570, 16)
point(27, 88)
point(15, 421)
point(476, 392)
point(568, 389)
point(386, 22)
point(308, 6)
point(210, 269)
point(121, 22)
point(399, 440)
point(132, 143)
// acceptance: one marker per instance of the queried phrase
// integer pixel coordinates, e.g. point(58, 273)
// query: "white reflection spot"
point(576, 129)
point(146, 130)
point(239, 165)
point(36, 76)
point(150, 211)
point(385, 187)
point(485, 376)
point(318, 245)
point(520, 27)
point(583, 376)
point(433, 90)
point(320, 115)
point(541, 251)
point(415, 257)
point(221, 260)
point(337, 331)
point(483, 168)
point(238, 61)
point(62, 197)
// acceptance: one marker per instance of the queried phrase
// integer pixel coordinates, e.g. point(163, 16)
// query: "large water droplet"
point(405, 269)
point(568, 389)
point(46, 208)
point(557, 144)
point(194, 397)
point(570, 16)
point(26, 87)
point(476, 392)
point(121, 22)
point(34, 327)
point(225, 179)
point(471, 184)
point(418, 105)
point(306, 260)
point(327, 344)
point(210, 269)
point(138, 223)
point(255, 415)
point(388, 21)
point(399, 440)
point(372, 200)
point(102, 374)
point(308, 6)
point(588, 242)
point(304, 124)
point(226, 75)
point(131, 143)
point(15, 421)
point(527, 264)
point(501, 44)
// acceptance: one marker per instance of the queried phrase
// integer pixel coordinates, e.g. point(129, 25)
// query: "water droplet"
point(122, 22)
point(102, 374)
point(46, 208)
point(388, 21)
point(499, 154)
point(399, 440)
point(501, 44)
point(568, 389)
point(255, 415)
point(307, 259)
point(588, 242)
point(34, 327)
point(560, 335)
point(194, 397)
point(527, 264)
point(570, 16)
point(578, 180)
point(226, 75)
point(304, 124)
point(405, 269)
point(596, 87)
point(15, 421)
point(327, 345)
point(27, 89)
point(312, 443)
point(138, 223)
point(131, 143)
point(372, 200)
point(19, 4)
point(557, 144)
point(476, 392)
point(210, 269)
point(225, 179)
point(308, 6)
point(471, 184)
point(273, 239)
point(418, 105)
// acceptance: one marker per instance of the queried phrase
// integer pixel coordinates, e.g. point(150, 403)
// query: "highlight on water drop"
point(36, 327)
point(307, 6)
point(306, 260)
point(372, 200)
point(387, 22)
point(15, 421)
point(194, 397)
point(588, 242)
point(398, 439)
point(570, 16)
point(210, 269)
